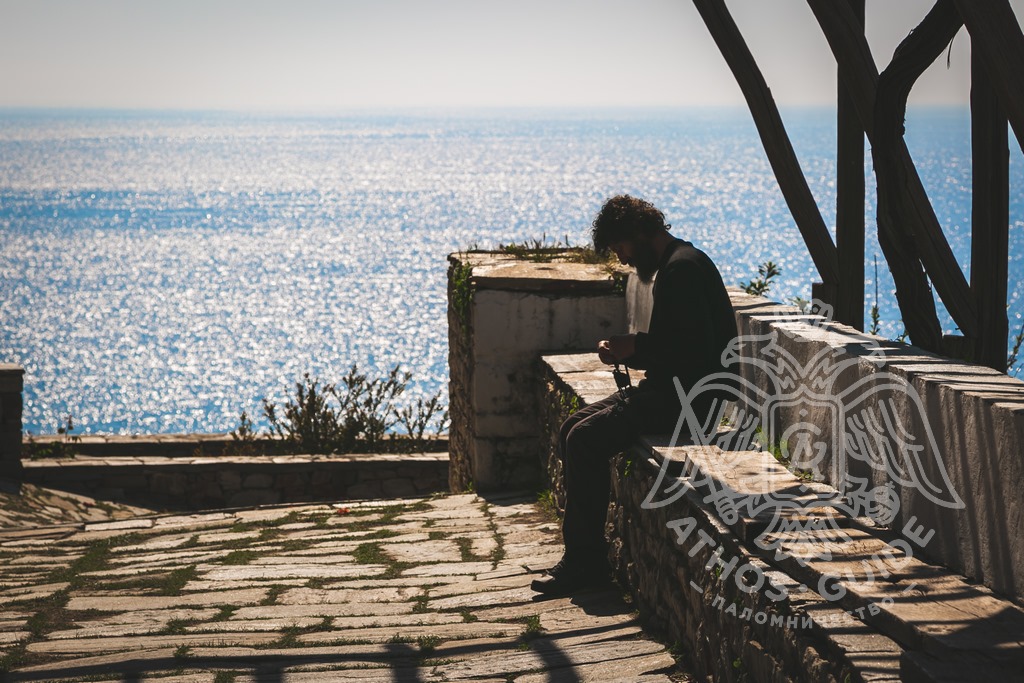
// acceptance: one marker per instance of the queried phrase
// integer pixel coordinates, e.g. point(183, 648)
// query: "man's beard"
point(645, 260)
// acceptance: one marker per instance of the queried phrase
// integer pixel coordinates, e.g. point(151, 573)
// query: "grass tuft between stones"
point(272, 594)
point(225, 613)
point(240, 557)
point(420, 605)
point(498, 554)
point(532, 630)
point(177, 627)
point(173, 582)
point(370, 553)
point(290, 636)
point(466, 553)
point(50, 613)
point(428, 644)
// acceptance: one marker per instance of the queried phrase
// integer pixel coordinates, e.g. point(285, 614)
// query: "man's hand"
point(617, 349)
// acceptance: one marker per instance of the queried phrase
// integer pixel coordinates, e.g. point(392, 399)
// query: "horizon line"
point(429, 109)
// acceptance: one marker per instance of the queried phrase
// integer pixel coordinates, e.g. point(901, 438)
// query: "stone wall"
point(503, 312)
point(11, 383)
point(567, 383)
point(974, 414)
point(861, 607)
point(189, 483)
point(191, 445)
point(684, 594)
point(660, 572)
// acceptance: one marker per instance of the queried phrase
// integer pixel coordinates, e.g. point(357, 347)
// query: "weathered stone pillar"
point(503, 311)
point(11, 385)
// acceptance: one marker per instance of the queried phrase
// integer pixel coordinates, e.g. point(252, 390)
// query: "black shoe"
point(566, 578)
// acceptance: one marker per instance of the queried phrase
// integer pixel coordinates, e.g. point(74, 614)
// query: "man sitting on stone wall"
point(691, 323)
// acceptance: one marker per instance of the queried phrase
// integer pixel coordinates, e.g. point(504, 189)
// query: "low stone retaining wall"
point(952, 453)
point(679, 589)
point(190, 445)
point(194, 483)
point(867, 609)
point(668, 559)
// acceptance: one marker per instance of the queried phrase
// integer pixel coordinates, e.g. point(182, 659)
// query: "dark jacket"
point(692, 321)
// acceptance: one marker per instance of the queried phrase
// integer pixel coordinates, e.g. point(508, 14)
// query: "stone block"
point(230, 480)
point(10, 455)
point(168, 483)
point(430, 483)
point(366, 489)
point(510, 321)
point(208, 491)
point(978, 421)
point(137, 482)
point(322, 476)
point(257, 480)
point(293, 480)
point(515, 424)
point(398, 488)
point(376, 473)
point(579, 324)
point(970, 411)
point(497, 463)
point(504, 385)
point(251, 497)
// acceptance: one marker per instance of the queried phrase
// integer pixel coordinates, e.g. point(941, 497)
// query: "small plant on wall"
point(760, 285)
point(460, 280)
point(63, 447)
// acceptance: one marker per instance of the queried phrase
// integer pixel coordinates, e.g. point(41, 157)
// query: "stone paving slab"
point(96, 645)
point(424, 590)
point(548, 655)
point(117, 601)
point(26, 505)
point(121, 624)
point(629, 670)
point(355, 610)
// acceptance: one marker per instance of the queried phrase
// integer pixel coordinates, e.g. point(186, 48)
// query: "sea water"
point(162, 272)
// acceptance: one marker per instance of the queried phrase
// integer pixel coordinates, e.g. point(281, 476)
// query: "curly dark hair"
point(623, 217)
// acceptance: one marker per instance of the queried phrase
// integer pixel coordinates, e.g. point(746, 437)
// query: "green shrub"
point(324, 417)
point(369, 406)
point(309, 423)
point(64, 448)
point(416, 419)
point(760, 285)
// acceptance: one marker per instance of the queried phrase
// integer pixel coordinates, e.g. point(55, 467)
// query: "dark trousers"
point(588, 440)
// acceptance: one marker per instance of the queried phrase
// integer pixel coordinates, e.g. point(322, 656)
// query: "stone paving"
point(27, 505)
point(414, 590)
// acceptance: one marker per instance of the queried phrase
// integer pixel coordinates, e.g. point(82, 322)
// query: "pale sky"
point(336, 55)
